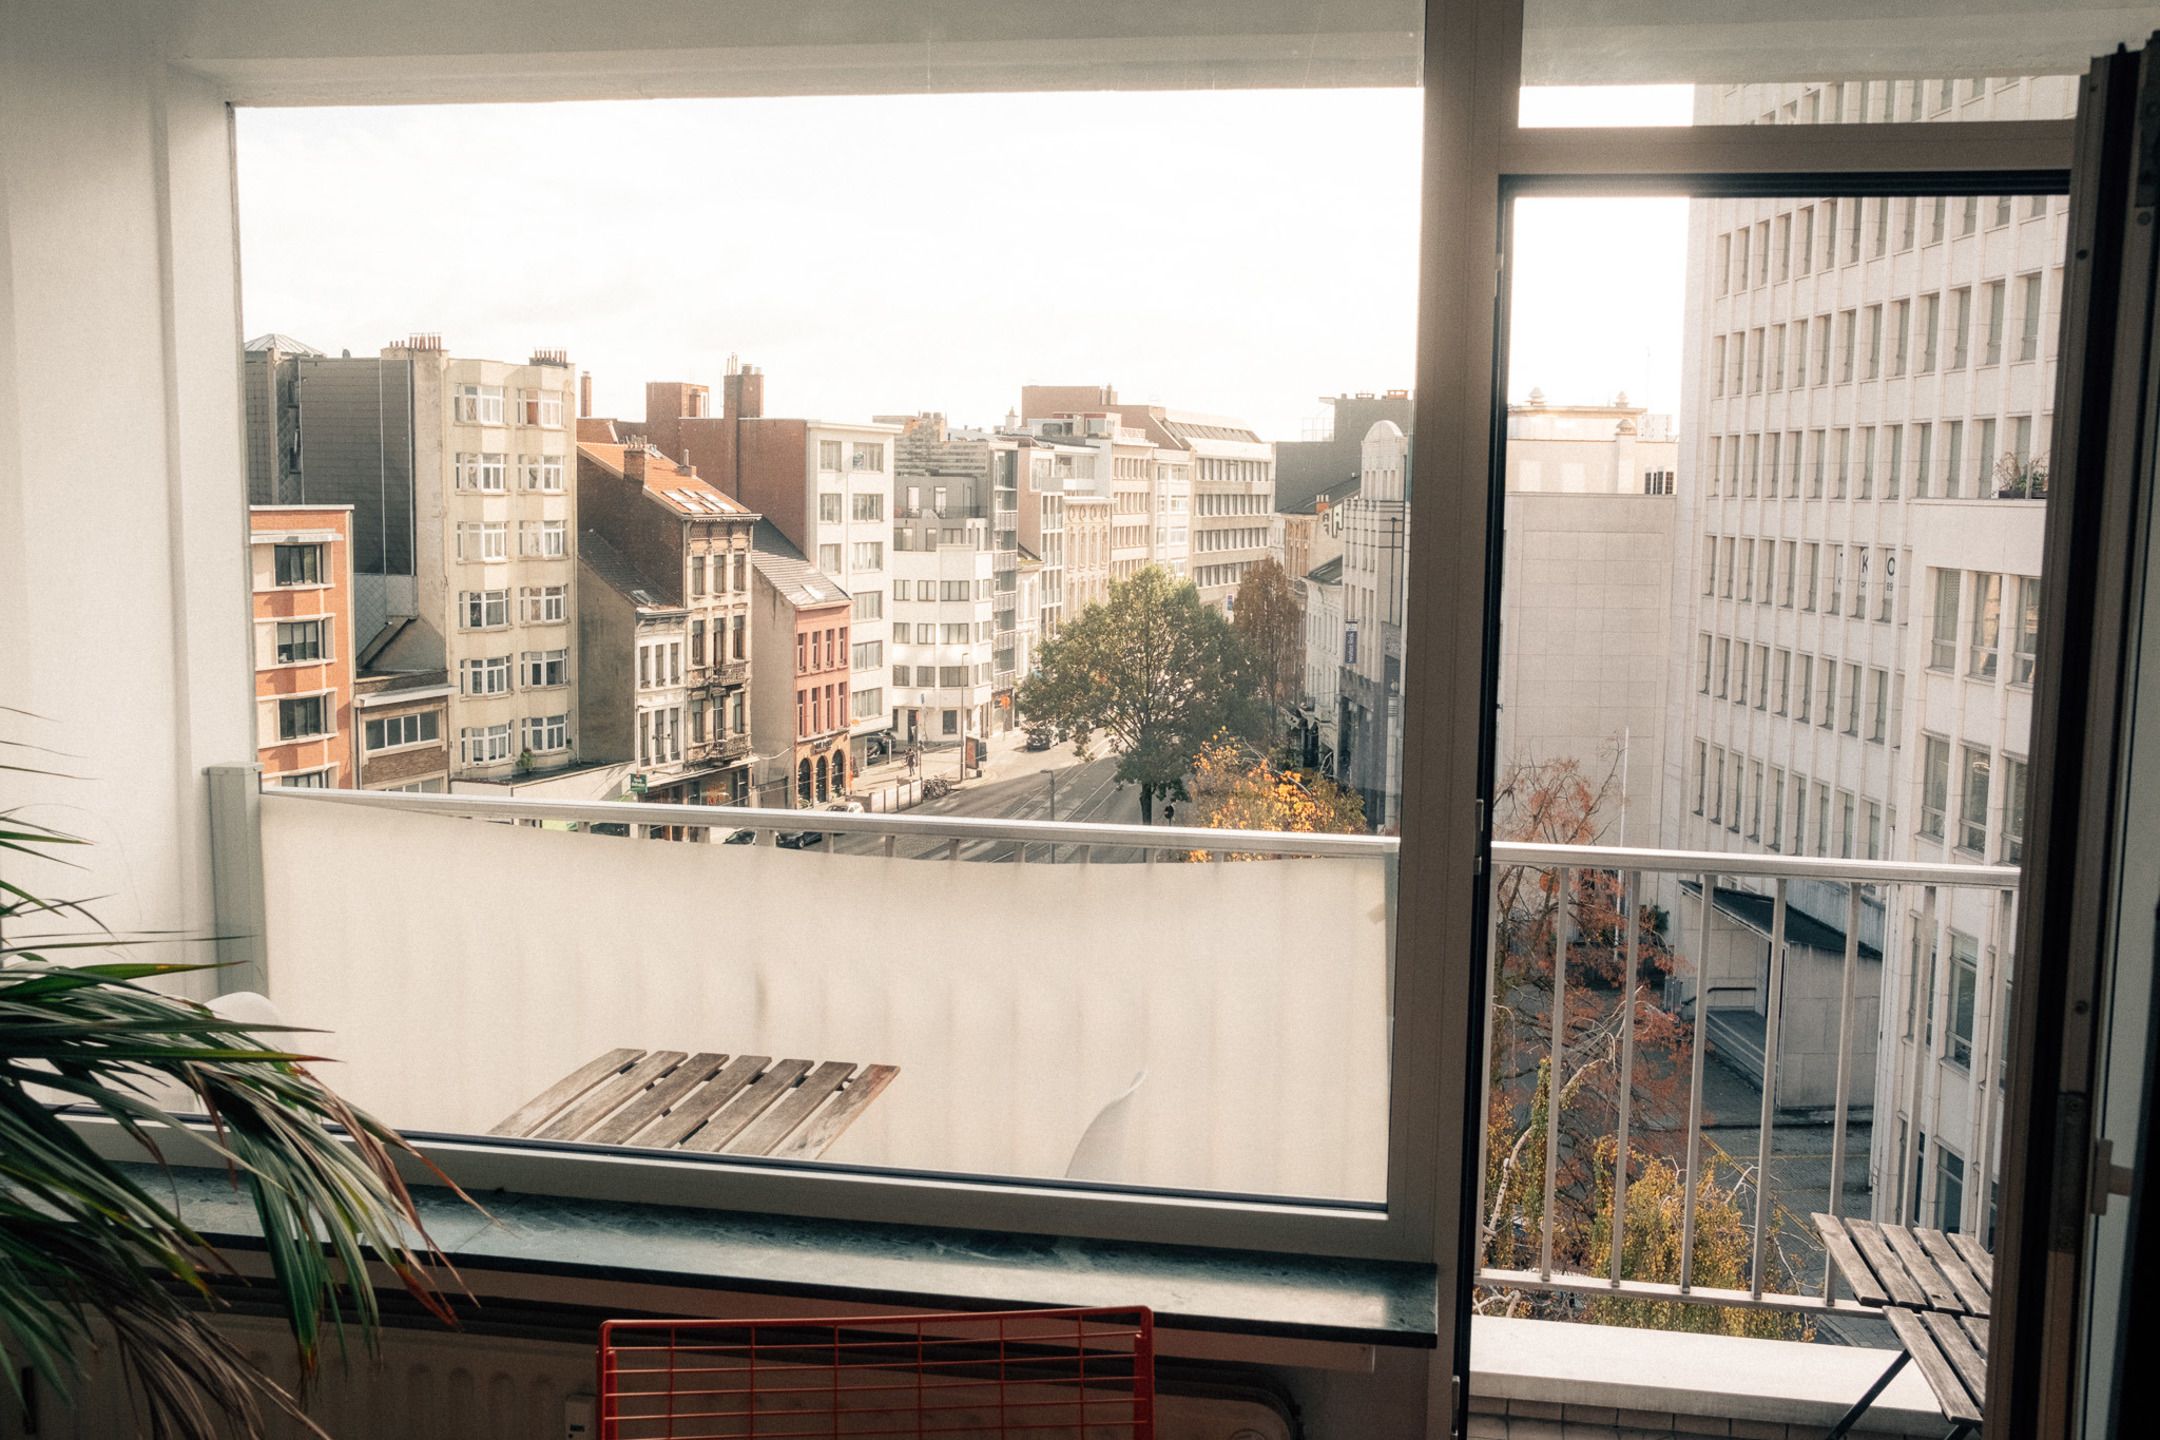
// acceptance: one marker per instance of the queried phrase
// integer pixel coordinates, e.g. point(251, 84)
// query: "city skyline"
point(1140, 241)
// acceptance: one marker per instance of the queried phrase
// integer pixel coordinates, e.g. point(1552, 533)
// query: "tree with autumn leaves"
point(1536, 912)
point(1235, 788)
point(1267, 614)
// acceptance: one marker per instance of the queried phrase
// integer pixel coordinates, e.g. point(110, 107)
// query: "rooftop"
point(789, 571)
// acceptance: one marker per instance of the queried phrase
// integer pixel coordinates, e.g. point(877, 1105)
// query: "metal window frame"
point(1475, 159)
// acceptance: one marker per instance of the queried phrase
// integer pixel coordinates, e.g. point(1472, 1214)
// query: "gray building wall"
point(355, 447)
point(607, 669)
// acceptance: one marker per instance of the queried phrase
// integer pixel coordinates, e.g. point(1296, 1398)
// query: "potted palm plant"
point(90, 1255)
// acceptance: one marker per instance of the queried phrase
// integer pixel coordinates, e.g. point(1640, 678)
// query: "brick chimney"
point(743, 393)
point(584, 394)
point(633, 462)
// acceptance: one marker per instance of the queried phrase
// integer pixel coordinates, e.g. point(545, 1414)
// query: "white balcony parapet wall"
point(461, 968)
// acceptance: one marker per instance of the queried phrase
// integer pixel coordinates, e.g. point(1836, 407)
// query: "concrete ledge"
point(1541, 1365)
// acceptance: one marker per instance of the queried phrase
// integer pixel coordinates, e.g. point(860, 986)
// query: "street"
point(1084, 792)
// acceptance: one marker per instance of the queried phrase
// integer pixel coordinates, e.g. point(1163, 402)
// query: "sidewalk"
point(891, 786)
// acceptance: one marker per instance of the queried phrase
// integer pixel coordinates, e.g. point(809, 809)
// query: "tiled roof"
point(598, 429)
point(620, 575)
point(784, 567)
point(668, 483)
point(1327, 572)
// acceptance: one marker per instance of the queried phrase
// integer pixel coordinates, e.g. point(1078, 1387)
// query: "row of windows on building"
point(1241, 537)
point(1205, 504)
point(855, 455)
point(730, 641)
point(493, 744)
point(490, 405)
point(821, 708)
point(1855, 699)
point(1810, 576)
point(942, 677)
point(981, 588)
point(488, 472)
point(867, 554)
point(1208, 577)
point(824, 649)
point(1822, 235)
point(1966, 828)
point(536, 605)
point(1751, 799)
point(1883, 341)
point(1978, 597)
point(489, 540)
point(834, 507)
point(535, 669)
point(1239, 472)
point(660, 728)
point(1881, 101)
point(1842, 463)
point(715, 573)
point(925, 633)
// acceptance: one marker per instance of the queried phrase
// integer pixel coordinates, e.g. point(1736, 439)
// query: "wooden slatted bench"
point(708, 1102)
point(1934, 1289)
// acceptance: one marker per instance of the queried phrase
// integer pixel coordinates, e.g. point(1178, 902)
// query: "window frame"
point(1475, 158)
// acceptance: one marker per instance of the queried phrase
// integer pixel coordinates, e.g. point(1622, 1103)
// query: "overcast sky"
point(1243, 252)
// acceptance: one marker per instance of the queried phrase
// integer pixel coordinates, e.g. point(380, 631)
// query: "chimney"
point(743, 393)
point(633, 462)
point(584, 394)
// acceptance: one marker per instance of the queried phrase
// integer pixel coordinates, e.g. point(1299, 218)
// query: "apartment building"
point(1867, 393)
point(339, 430)
point(1213, 480)
point(1317, 463)
point(300, 567)
point(826, 486)
point(635, 697)
point(1585, 628)
point(943, 477)
point(1320, 597)
point(401, 723)
point(800, 730)
point(1089, 527)
point(686, 545)
point(1376, 536)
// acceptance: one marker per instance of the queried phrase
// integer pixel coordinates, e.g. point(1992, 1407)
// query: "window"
point(1953, 458)
point(479, 404)
point(489, 675)
point(869, 704)
point(1986, 625)
point(543, 604)
point(548, 539)
point(1961, 304)
point(297, 564)
point(301, 640)
point(1949, 1189)
point(544, 733)
point(828, 454)
point(868, 456)
point(394, 732)
point(1991, 352)
point(1886, 565)
point(1784, 682)
point(1834, 573)
point(1717, 365)
point(1973, 818)
point(545, 667)
point(1724, 667)
point(869, 555)
point(1852, 699)
point(1930, 332)
point(540, 407)
point(1900, 336)
point(1848, 323)
point(869, 654)
point(303, 717)
point(1875, 341)
point(542, 473)
point(1829, 693)
point(1964, 989)
point(1942, 655)
point(870, 604)
point(1810, 553)
point(486, 472)
point(869, 505)
point(1934, 785)
point(1878, 705)
point(955, 634)
point(485, 540)
point(952, 677)
point(2028, 631)
point(307, 779)
point(828, 508)
point(484, 744)
point(2013, 820)
point(2029, 316)
point(484, 609)
point(1702, 664)
point(828, 559)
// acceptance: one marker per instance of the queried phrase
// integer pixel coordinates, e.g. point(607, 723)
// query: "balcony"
point(726, 675)
point(724, 750)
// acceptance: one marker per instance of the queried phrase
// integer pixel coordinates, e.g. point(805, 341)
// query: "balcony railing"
point(721, 750)
point(1789, 988)
point(725, 675)
point(1579, 936)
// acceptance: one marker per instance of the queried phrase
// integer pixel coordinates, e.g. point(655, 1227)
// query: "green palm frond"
point(91, 1256)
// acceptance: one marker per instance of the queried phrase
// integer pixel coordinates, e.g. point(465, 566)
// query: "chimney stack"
point(633, 462)
point(743, 393)
point(584, 395)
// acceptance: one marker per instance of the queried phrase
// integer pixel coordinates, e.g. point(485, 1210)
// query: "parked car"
point(847, 807)
point(738, 837)
point(1038, 737)
point(799, 839)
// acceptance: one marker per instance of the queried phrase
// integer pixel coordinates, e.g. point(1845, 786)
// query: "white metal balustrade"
point(1900, 888)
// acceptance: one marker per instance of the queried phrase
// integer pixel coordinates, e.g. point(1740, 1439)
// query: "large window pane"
point(1063, 564)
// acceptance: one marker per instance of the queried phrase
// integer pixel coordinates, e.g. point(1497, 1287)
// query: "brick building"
point(300, 562)
point(401, 720)
point(801, 731)
point(672, 535)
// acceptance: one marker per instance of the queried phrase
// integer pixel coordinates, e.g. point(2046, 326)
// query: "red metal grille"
point(1015, 1374)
